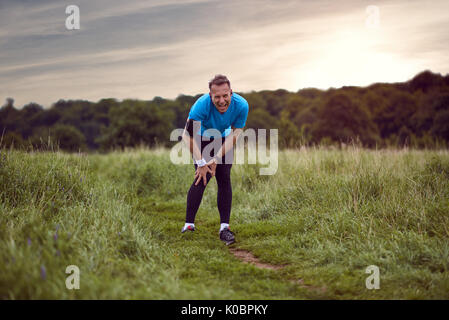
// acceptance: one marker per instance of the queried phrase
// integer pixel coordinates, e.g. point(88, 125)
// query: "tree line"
point(413, 113)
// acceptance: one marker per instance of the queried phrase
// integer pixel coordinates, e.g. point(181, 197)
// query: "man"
point(220, 109)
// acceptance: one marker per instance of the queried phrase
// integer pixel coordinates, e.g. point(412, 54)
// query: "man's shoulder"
point(204, 99)
point(240, 101)
point(202, 103)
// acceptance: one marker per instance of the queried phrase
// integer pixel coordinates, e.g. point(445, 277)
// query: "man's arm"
point(187, 137)
point(230, 141)
point(202, 169)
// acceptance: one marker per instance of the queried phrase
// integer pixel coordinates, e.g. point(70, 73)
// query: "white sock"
point(223, 226)
point(188, 224)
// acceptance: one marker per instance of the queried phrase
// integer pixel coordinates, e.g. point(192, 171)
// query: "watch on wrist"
point(201, 163)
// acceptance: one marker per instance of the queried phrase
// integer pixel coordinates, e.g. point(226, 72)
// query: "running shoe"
point(227, 236)
point(190, 228)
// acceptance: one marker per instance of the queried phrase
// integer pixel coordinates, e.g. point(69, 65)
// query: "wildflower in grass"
point(29, 241)
point(55, 236)
point(43, 273)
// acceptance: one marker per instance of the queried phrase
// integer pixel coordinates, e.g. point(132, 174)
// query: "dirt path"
point(247, 257)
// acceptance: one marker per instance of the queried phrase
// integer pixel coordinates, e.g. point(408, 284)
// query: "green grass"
point(326, 215)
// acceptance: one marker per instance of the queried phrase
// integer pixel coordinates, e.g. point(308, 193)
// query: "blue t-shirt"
point(205, 111)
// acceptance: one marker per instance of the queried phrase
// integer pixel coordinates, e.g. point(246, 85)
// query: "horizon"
point(148, 49)
point(236, 91)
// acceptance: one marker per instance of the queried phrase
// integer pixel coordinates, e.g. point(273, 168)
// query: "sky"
point(142, 49)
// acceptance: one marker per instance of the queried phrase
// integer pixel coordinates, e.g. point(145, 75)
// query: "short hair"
point(218, 80)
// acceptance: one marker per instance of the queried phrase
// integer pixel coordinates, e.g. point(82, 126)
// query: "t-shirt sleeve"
point(198, 111)
point(240, 122)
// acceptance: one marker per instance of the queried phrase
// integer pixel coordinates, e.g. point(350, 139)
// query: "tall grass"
point(326, 215)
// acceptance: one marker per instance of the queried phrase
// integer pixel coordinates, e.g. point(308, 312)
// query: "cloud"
point(145, 48)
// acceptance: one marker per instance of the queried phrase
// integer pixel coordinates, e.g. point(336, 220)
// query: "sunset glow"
point(157, 48)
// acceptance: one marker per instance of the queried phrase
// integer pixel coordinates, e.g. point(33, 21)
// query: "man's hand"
point(201, 174)
point(212, 165)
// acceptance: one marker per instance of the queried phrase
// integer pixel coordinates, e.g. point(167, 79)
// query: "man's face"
point(221, 96)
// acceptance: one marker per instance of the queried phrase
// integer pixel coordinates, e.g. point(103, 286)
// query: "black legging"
point(224, 194)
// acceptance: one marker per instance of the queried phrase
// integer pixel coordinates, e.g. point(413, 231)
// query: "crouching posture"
point(226, 112)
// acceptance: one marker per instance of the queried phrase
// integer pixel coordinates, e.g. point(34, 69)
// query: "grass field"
point(323, 218)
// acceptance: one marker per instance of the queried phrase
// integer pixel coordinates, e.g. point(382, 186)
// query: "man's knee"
point(201, 182)
point(223, 176)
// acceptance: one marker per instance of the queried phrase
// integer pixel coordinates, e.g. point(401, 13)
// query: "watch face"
point(201, 163)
